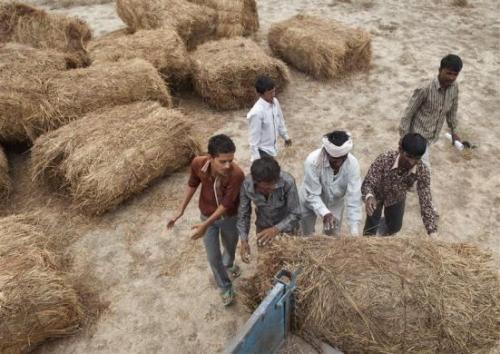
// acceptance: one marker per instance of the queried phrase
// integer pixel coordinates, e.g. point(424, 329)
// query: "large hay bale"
point(389, 295)
point(163, 48)
point(5, 182)
point(234, 17)
point(194, 23)
point(225, 71)
point(109, 155)
point(29, 108)
point(325, 49)
point(35, 27)
point(37, 301)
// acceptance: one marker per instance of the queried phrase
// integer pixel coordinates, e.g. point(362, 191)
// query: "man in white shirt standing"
point(332, 181)
point(266, 121)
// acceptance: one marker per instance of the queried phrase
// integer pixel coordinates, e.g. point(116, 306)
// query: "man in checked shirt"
point(390, 176)
point(432, 104)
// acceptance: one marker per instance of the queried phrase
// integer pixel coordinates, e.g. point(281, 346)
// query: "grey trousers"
point(226, 229)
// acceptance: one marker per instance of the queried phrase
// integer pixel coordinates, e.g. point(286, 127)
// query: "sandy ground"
point(157, 285)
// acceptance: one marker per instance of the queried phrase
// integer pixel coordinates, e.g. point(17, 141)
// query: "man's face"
point(406, 161)
point(269, 95)
point(265, 188)
point(447, 77)
point(336, 162)
point(221, 164)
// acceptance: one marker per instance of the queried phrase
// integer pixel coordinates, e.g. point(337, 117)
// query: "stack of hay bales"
point(225, 71)
point(325, 49)
point(194, 23)
point(37, 301)
point(163, 48)
point(389, 295)
point(30, 108)
point(5, 182)
point(111, 154)
point(234, 17)
point(31, 26)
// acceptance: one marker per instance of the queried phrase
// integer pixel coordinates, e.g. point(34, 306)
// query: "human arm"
point(312, 188)
point(371, 182)
point(255, 126)
point(243, 224)
point(199, 229)
point(416, 100)
point(282, 129)
point(292, 205)
point(193, 183)
point(353, 199)
point(451, 118)
point(430, 217)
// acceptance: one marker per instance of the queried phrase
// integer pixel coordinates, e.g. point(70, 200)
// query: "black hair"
point(452, 62)
point(414, 144)
point(220, 144)
point(263, 84)
point(265, 169)
point(337, 137)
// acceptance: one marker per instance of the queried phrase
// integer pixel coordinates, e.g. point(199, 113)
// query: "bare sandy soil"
point(158, 285)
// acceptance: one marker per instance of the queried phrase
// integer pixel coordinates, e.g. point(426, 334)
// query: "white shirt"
point(323, 191)
point(266, 123)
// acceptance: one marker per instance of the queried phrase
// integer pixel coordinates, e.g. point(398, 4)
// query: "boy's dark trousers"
point(393, 222)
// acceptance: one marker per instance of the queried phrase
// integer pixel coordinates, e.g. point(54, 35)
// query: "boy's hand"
point(245, 251)
point(267, 235)
point(199, 231)
point(288, 142)
point(171, 222)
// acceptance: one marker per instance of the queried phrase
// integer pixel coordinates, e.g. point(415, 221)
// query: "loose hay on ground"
point(389, 295)
point(325, 49)
point(5, 182)
point(37, 301)
point(29, 108)
point(234, 17)
point(111, 154)
point(194, 23)
point(225, 71)
point(163, 48)
point(35, 27)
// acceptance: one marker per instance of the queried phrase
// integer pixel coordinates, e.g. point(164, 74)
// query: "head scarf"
point(337, 151)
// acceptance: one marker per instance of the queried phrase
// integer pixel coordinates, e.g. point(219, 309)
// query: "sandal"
point(235, 271)
point(228, 296)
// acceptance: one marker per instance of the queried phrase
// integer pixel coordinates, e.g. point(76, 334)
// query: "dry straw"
point(163, 48)
point(35, 27)
point(37, 301)
point(234, 17)
point(29, 108)
point(194, 23)
point(5, 182)
point(388, 295)
point(111, 154)
point(225, 71)
point(325, 49)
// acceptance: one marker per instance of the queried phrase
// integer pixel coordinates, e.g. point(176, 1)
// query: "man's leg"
point(308, 222)
point(394, 218)
point(262, 154)
point(229, 234)
point(212, 247)
point(372, 222)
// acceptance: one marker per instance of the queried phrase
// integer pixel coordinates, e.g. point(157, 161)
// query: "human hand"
point(266, 236)
point(329, 224)
point(171, 222)
point(245, 251)
point(288, 142)
point(371, 205)
point(199, 231)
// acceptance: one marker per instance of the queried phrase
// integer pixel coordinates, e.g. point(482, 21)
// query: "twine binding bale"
point(28, 108)
point(234, 17)
point(5, 182)
point(111, 154)
point(388, 295)
point(325, 49)
point(35, 27)
point(194, 23)
point(225, 71)
point(37, 301)
point(163, 48)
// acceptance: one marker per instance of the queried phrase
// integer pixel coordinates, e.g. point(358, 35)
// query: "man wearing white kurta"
point(266, 121)
point(332, 182)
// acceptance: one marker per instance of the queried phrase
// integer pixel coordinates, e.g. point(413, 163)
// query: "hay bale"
point(28, 108)
point(389, 295)
point(5, 182)
point(37, 301)
point(325, 49)
point(234, 17)
point(225, 71)
point(109, 155)
point(194, 23)
point(163, 48)
point(35, 27)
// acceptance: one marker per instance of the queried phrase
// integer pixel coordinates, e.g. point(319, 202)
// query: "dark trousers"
point(262, 153)
point(393, 222)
